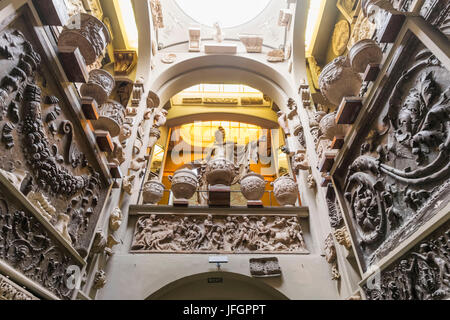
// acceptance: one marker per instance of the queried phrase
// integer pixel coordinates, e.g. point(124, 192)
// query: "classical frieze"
point(225, 234)
point(422, 274)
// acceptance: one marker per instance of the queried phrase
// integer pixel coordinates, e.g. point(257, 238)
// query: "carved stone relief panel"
point(11, 291)
point(27, 247)
point(421, 274)
point(398, 174)
point(265, 267)
point(222, 234)
point(44, 146)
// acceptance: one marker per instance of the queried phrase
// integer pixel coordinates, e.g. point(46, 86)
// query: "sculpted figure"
point(218, 35)
point(160, 118)
point(115, 220)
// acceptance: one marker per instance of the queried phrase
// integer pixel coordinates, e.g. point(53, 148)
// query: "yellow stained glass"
point(201, 134)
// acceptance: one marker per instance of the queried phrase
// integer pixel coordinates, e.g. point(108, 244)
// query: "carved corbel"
point(115, 219)
point(124, 61)
point(153, 100)
point(157, 14)
point(194, 39)
point(110, 244)
point(99, 279)
point(253, 43)
point(343, 238)
point(282, 121)
point(292, 106)
point(311, 182)
point(127, 184)
point(137, 164)
point(331, 257)
point(155, 134)
point(118, 155)
point(99, 243)
point(300, 162)
point(160, 118)
point(138, 90)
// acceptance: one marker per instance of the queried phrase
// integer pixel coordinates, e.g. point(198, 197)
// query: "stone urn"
point(111, 118)
point(285, 190)
point(220, 171)
point(184, 184)
point(363, 53)
point(153, 192)
point(100, 85)
point(87, 33)
point(338, 80)
point(253, 186)
point(330, 129)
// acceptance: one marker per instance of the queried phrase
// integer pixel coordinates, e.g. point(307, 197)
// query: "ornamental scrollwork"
point(404, 166)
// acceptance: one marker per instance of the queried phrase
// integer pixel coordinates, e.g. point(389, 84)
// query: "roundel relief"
point(341, 36)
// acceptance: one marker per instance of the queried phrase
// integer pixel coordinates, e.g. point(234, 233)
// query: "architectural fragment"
point(194, 39)
point(87, 33)
point(265, 267)
point(253, 43)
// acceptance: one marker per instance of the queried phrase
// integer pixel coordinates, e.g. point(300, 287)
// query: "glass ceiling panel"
point(229, 13)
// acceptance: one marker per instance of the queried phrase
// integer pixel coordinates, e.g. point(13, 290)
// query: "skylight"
point(229, 13)
point(315, 10)
point(128, 21)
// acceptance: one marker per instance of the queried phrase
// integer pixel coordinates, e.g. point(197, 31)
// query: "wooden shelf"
point(104, 141)
point(73, 64)
point(90, 108)
point(349, 110)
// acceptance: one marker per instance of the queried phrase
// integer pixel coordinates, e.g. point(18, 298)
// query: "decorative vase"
point(363, 53)
point(153, 192)
point(220, 171)
point(253, 186)
point(112, 117)
point(100, 85)
point(285, 191)
point(184, 184)
point(87, 33)
point(338, 80)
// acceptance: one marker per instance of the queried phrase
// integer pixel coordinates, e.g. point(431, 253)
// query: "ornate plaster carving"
point(421, 274)
point(11, 291)
point(341, 35)
point(233, 234)
point(286, 191)
point(184, 184)
point(265, 267)
point(253, 43)
point(338, 80)
point(101, 84)
point(87, 33)
point(157, 14)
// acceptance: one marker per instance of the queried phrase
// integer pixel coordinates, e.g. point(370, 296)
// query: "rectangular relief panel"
point(30, 249)
point(396, 175)
point(43, 148)
point(421, 274)
point(218, 234)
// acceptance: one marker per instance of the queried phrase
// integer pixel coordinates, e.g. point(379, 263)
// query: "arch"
point(223, 69)
point(234, 286)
